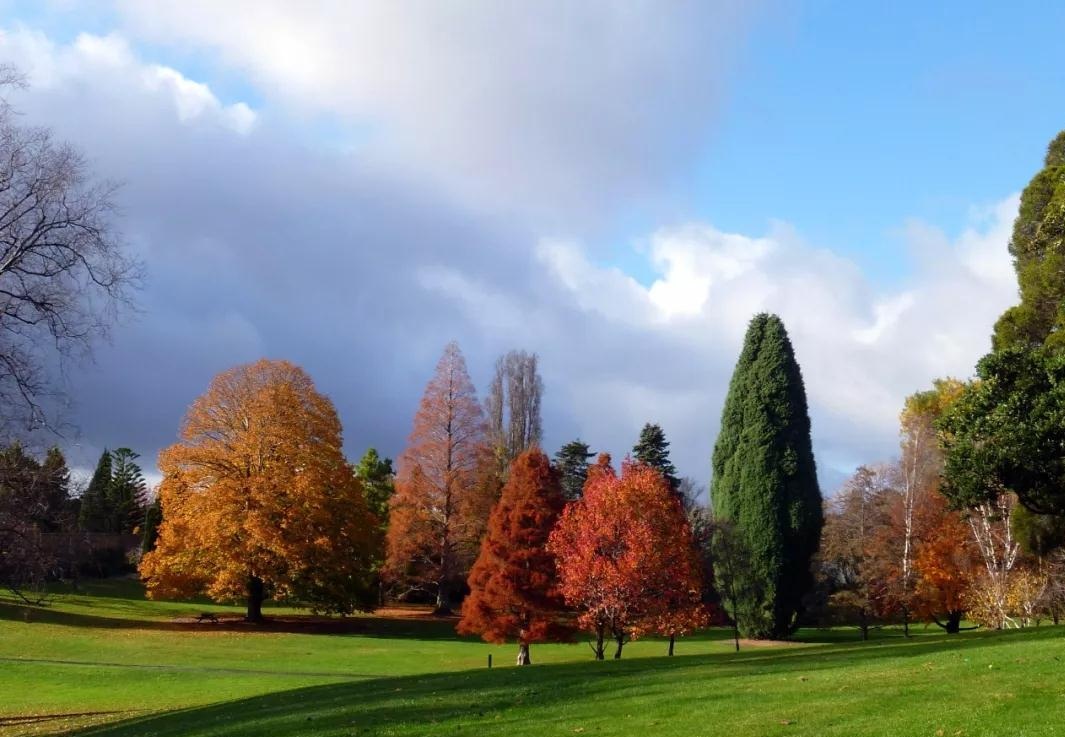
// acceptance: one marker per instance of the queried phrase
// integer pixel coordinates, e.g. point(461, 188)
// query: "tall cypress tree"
point(765, 479)
point(571, 462)
point(653, 450)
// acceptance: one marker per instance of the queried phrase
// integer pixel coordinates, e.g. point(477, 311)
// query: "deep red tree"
point(514, 591)
point(626, 558)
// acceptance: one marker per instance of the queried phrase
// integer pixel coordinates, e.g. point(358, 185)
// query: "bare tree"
point(513, 406)
point(63, 270)
point(993, 533)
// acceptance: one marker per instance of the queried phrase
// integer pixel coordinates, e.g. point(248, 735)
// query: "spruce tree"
point(94, 514)
point(765, 479)
point(571, 462)
point(127, 494)
point(653, 450)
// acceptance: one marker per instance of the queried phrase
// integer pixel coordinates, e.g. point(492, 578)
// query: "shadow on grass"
point(479, 701)
point(365, 626)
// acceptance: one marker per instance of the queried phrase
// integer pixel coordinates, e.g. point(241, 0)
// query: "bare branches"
point(64, 272)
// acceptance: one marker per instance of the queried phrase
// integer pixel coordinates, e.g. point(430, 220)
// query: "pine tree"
point(653, 450)
point(514, 590)
point(127, 493)
point(94, 514)
point(378, 483)
point(571, 462)
point(765, 479)
point(55, 496)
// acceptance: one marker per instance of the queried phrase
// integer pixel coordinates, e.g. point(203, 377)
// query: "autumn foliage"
point(514, 592)
point(258, 500)
point(439, 509)
point(626, 559)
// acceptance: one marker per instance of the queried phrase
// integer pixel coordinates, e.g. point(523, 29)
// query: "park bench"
point(207, 617)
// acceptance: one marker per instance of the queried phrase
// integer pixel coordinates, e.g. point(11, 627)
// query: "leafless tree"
point(63, 269)
point(513, 406)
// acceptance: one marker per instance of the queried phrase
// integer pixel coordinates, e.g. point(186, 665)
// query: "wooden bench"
point(207, 617)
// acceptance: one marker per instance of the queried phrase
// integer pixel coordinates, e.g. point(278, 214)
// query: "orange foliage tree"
point(946, 565)
point(626, 558)
point(437, 514)
point(258, 500)
point(514, 590)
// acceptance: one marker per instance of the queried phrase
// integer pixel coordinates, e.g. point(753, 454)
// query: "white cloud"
point(551, 107)
point(92, 57)
point(671, 345)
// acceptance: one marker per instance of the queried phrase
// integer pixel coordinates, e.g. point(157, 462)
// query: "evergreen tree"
point(1005, 430)
point(127, 493)
point(55, 492)
point(153, 517)
point(378, 483)
point(571, 462)
point(653, 450)
point(94, 513)
point(1039, 259)
point(765, 479)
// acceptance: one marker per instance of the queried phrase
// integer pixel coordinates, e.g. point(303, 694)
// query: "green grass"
point(121, 667)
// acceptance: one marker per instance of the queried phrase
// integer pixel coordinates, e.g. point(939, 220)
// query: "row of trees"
point(970, 522)
point(50, 528)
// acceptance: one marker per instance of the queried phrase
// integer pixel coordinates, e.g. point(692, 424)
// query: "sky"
point(618, 187)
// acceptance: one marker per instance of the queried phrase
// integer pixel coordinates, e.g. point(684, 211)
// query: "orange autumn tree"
point(626, 559)
point(437, 512)
point(514, 590)
point(946, 565)
point(258, 500)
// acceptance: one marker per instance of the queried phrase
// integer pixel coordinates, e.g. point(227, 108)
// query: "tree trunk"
point(672, 639)
point(620, 640)
point(443, 601)
point(523, 654)
point(905, 621)
point(735, 628)
point(600, 647)
point(255, 599)
point(953, 623)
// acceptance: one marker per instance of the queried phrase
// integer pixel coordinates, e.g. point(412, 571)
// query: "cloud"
point(556, 107)
point(257, 244)
point(670, 346)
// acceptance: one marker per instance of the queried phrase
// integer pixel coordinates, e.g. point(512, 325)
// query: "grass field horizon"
point(108, 662)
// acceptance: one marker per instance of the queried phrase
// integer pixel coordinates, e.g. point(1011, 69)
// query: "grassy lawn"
point(121, 666)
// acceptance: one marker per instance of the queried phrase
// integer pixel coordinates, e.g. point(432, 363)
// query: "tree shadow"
point(388, 627)
point(479, 701)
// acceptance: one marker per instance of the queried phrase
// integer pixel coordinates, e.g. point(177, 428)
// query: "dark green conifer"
point(94, 514)
point(765, 479)
point(571, 462)
point(653, 450)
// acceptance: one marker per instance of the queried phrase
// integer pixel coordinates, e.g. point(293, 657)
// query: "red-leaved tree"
point(514, 590)
point(435, 514)
point(626, 559)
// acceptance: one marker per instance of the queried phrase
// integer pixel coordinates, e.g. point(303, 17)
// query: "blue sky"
point(617, 187)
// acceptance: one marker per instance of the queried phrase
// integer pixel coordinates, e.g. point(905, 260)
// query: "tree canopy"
point(258, 500)
point(765, 479)
point(514, 589)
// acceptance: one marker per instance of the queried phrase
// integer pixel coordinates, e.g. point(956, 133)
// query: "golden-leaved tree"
point(259, 502)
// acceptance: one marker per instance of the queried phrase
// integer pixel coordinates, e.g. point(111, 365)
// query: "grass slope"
point(121, 667)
